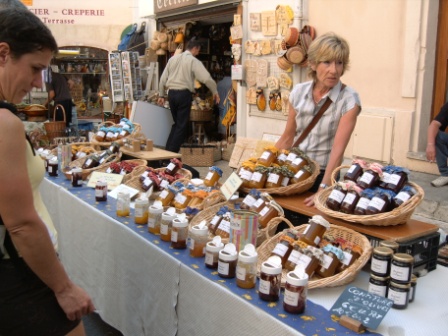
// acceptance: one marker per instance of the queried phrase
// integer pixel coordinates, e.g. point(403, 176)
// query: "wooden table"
point(155, 155)
point(400, 233)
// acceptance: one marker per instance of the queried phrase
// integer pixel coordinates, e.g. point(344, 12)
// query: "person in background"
point(178, 78)
point(59, 91)
point(328, 60)
point(437, 146)
point(36, 295)
point(224, 86)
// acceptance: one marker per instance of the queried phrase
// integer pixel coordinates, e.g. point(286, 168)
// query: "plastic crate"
point(424, 250)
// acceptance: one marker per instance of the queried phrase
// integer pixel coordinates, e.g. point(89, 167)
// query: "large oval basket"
point(292, 189)
point(399, 215)
point(340, 279)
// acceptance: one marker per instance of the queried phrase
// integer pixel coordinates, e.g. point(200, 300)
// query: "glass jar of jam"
point(212, 249)
point(331, 261)
point(101, 134)
point(197, 239)
point(378, 285)
point(166, 223)
point(179, 232)
point(213, 176)
point(141, 211)
point(214, 222)
point(355, 171)
point(182, 199)
point(296, 290)
point(246, 268)
point(284, 246)
point(310, 260)
point(227, 260)
point(371, 176)
point(413, 288)
point(351, 198)
point(270, 279)
point(384, 180)
point(167, 195)
point(101, 191)
point(275, 177)
point(380, 202)
point(261, 201)
point(282, 155)
point(53, 166)
point(298, 163)
point(397, 179)
point(401, 268)
point(352, 252)
point(270, 211)
point(381, 260)
point(154, 217)
point(295, 255)
point(77, 177)
point(363, 202)
point(259, 177)
point(390, 244)
point(336, 197)
point(302, 174)
point(90, 162)
point(399, 294)
point(114, 148)
point(223, 229)
point(268, 156)
point(315, 230)
point(403, 196)
point(173, 167)
point(123, 204)
point(250, 199)
point(287, 176)
point(245, 173)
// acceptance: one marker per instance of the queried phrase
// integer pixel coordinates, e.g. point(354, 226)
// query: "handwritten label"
point(368, 308)
point(231, 185)
point(113, 180)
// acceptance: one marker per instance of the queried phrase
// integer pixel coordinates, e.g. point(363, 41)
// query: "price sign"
point(363, 306)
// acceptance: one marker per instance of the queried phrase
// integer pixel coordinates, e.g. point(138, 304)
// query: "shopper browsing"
point(36, 295)
point(178, 78)
point(59, 91)
point(437, 146)
point(328, 59)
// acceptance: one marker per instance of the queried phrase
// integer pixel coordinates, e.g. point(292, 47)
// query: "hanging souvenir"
point(285, 102)
point(265, 46)
point(261, 100)
point(262, 73)
point(255, 22)
point(251, 96)
point(179, 36)
point(249, 47)
point(273, 99)
point(278, 102)
point(268, 23)
point(285, 81)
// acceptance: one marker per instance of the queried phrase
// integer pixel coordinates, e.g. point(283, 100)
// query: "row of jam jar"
point(392, 274)
point(375, 175)
point(262, 204)
point(349, 198)
point(113, 133)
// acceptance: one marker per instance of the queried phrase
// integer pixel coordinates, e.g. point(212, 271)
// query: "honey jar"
point(298, 163)
point(270, 211)
point(302, 174)
point(275, 177)
point(141, 211)
point(179, 232)
point(213, 176)
point(154, 217)
point(166, 223)
point(310, 260)
point(167, 195)
point(182, 199)
point(250, 199)
point(331, 261)
point(268, 156)
point(246, 268)
point(352, 252)
point(259, 177)
point(212, 249)
point(282, 155)
point(197, 239)
point(101, 134)
point(123, 204)
point(284, 246)
point(245, 173)
point(315, 230)
point(295, 255)
point(270, 279)
point(223, 229)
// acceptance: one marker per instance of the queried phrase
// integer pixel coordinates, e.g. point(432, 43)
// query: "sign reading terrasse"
point(166, 5)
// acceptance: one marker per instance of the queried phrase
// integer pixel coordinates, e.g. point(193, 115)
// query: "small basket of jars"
point(330, 255)
point(108, 132)
point(370, 194)
point(124, 167)
point(280, 172)
point(91, 163)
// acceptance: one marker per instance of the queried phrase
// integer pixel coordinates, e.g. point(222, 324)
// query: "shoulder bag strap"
point(316, 118)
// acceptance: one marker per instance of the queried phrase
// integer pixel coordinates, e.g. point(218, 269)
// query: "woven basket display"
point(185, 173)
point(342, 278)
point(209, 212)
point(197, 155)
point(292, 189)
point(54, 128)
point(137, 130)
point(398, 215)
point(86, 172)
point(201, 115)
point(88, 145)
point(138, 162)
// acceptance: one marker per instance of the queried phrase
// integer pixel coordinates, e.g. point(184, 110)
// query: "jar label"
point(282, 157)
point(240, 273)
point(241, 172)
point(379, 266)
point(351, 169)
point(209, 176)
point(366, 178)
point(224, 226)
point(264, 211)
point(378, 290)
point(337, 195)
point(294, 256)
point(190, 243)
point(246, 175)
point(280, 250)
point(399, 298)
point(400, 273)
point(377, 203)
point(249, 200)
point(297, 161)
point(291, 157)
point(101, 134)
point(291, 298)
point(163, 194)
point(298, 174)
point(99, 193)
point(88, 162)
point(258, 203)
point(394, 179)
point(403, 196)
point(223, 268)
point(256, 177)
point(349, 198)
point(171, 166)
point(285, 181)
point(209, 258)
point(164, 229)
point(110, 135)
point(347, 258)
point(151, 222)
point(180, 198)
point(265, 287)
point(326, 261)
point(273, 178)
point(386, 177)
point(215, 220)
point(174, 235)
point(265, 156)
point(304, 261)
point(164, 184)
point(139, 212)
point(316, 240)
point(109, 170)
point(363, 203)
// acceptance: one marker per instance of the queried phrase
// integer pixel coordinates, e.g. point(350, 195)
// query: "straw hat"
point(292, 36)
point(283, 63)
point(295, 54)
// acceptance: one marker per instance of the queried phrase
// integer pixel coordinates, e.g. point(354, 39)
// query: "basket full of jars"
point(281, 172)
point(330, 255)
point(109, 132)
point(371, 194)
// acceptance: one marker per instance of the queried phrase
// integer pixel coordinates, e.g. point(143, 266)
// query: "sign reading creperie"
point(166, 5)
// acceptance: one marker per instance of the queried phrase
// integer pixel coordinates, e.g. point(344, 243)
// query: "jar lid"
point(389, 243)
point(403, 257)
point(215, 245)
point(272, 266)
point(155, 210)
point(200, 229)
point(298, 277)
point(384, 251)
point(228, 253)
point(248, 254)
point(414, 278)
point(402, 286)
point(180, 222)
point(317, 219)
point(375, 277)
point(141, 201)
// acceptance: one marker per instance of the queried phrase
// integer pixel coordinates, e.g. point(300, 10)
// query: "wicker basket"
point(292, 189)
point(137, 129)
point(201, 115)
point(342, 278)
point(197, 155)
point(209, 212)
point(139, 163)
point(399, 215)
point(185, 173)
point(86, 172)
point(54, 128)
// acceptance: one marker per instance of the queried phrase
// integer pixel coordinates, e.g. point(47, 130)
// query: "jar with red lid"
point(403, 196)
point(296, 289)
point(371, 176)
point(270, 211)
point(268, 156)
point(213, 176)
point(363, 202)
point(270, 279)
point(380, 202)
point(315, 230)
point(275, 177)
point(351, 198)
point(259, 177)
point(173, 167)
point(304, 173)
point(331, 261)
point(337, 195)
point(356, 170)
point(284, 246)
